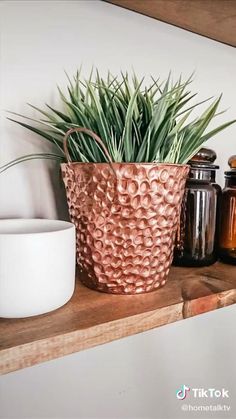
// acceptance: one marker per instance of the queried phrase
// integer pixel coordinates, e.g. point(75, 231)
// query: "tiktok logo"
point(182, 393)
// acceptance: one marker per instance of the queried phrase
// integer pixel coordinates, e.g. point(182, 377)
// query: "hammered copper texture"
point(126, 218)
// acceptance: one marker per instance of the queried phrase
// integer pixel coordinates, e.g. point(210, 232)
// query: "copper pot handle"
point(91, 134)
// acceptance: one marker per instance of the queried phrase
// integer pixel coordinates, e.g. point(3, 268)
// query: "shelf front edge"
point(38, 351)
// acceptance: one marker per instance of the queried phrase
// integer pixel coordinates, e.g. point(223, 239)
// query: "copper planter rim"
point(127, 163)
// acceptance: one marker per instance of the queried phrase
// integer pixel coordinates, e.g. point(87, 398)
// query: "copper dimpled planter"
point(126, 216)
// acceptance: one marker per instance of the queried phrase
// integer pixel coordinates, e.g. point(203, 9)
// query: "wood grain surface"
point(92, 318)
point(215, 19)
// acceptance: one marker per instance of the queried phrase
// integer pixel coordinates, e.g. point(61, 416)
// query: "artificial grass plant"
point(136, 122)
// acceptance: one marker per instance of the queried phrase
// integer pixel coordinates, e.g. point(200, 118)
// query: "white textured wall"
point(38, 41)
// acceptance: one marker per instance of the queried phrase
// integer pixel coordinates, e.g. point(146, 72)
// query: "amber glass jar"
point(196, 236)
point(227, 239)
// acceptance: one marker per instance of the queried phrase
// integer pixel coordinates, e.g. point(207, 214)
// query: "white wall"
point(38, 41)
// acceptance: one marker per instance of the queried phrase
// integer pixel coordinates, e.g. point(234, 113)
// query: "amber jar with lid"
point(227, 239)
point(197, 235)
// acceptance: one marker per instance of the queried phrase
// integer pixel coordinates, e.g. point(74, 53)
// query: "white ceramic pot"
point(37, 266)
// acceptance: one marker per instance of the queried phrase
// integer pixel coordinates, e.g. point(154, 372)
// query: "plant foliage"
point(136, 123)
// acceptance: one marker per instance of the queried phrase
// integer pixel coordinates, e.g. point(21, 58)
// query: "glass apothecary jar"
point(227, 239)
point(197, 235)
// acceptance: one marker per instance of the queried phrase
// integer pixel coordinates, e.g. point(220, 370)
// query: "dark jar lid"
point(204, 160)
point(204, 155)
point(232, 165)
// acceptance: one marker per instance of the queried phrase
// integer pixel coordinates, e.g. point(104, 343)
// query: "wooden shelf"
point(214, 19)
point(92, 318)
